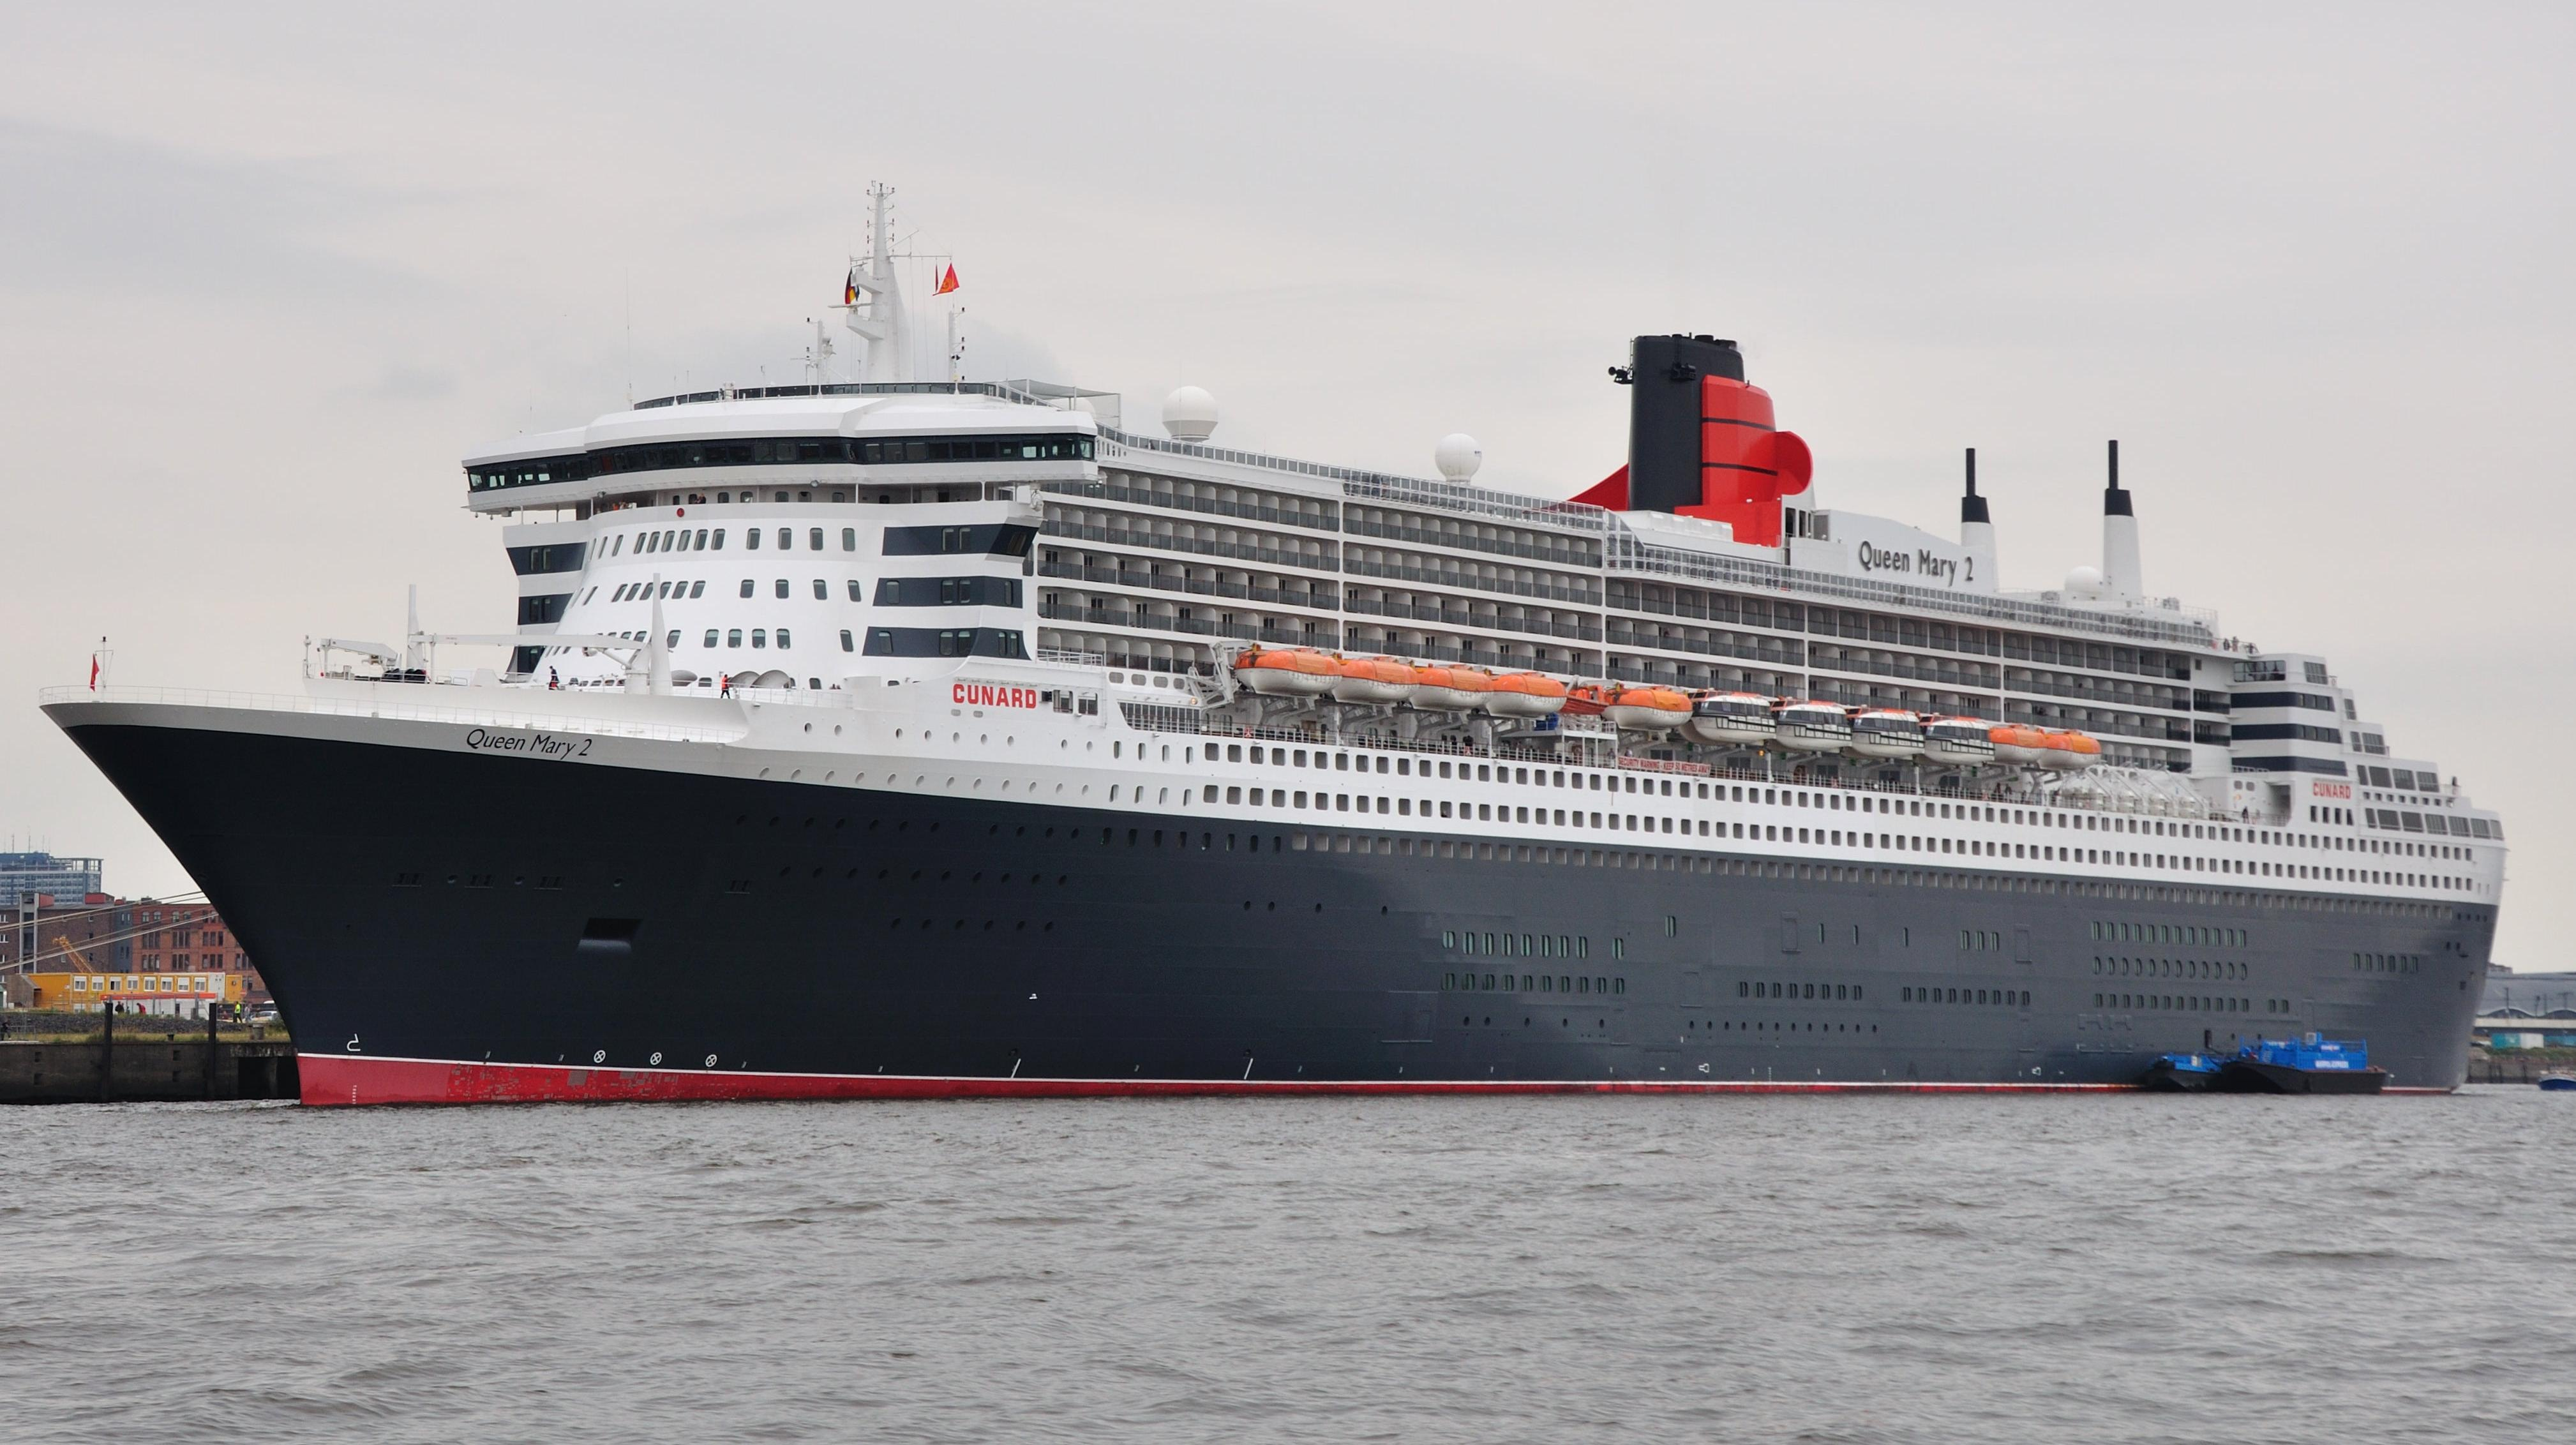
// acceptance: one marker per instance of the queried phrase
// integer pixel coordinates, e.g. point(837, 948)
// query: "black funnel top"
point(1664, 416)
point(1972, 508)
point(2115, 502)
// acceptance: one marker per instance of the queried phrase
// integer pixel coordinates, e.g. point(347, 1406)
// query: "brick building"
point(104, 935)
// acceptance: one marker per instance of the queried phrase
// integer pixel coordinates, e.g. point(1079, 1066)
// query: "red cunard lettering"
point(986, 694)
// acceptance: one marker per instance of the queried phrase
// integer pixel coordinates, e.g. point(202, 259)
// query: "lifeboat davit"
point(1731, 719)
point(1812, 727)
point(1890, 734)
point(2067, 751)
point(1450, 689)
point(1647, 709)
point(2017, 746)
point(1286, 671)
point(1379, 680)
point(1525, 694)
point(1959, 742)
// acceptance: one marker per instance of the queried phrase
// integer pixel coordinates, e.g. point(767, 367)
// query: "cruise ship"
point(898, 737)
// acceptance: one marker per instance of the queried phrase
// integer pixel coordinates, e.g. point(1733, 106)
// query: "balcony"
point(1323, 521)
point(1433, 576)
point(1115, 537)
point(1450, 617)
point(1322, 600)
point(1322, 636)
point(1784, 654)
point(1563, 556)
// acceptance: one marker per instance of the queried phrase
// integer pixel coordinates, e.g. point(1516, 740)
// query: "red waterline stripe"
point(341, 1079)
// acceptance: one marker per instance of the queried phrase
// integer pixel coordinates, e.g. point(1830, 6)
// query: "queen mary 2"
point(889, 738)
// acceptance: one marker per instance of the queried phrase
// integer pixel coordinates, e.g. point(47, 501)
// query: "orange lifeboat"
point(1648, 709)
point(1285, 671)
point(1587, 700)
point(1525, 694)
point(1371, 680)
point(1450, 689)
point(2018, 746)
point(2067, 751)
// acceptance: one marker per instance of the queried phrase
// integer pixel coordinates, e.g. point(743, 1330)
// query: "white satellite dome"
point(2084, 582)
point(1458, 456)
point(1189, 414)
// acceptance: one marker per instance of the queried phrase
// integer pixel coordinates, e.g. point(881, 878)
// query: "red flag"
point(947, 283)
point(93, 672)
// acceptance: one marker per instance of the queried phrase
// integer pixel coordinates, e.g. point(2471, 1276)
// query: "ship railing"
point(2024, 790)
point(1665, 765)
point(594, 724)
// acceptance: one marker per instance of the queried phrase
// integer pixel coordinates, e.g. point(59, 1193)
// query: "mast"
point(889, 341)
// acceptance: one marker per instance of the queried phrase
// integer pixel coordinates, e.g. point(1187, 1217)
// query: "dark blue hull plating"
point(414, 904)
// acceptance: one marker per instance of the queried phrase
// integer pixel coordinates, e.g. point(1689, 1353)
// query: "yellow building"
point(182, 994)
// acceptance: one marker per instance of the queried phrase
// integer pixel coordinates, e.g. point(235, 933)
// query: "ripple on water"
point(1895, 1269)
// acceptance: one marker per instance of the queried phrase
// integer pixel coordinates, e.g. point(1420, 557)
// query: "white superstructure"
point(820, 544)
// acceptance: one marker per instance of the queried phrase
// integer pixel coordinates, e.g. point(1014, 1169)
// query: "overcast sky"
point(266, 272)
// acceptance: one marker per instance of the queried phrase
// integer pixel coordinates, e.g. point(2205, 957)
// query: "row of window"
point(1530, 983)
point(996, 539)
point(133, 983)
point(1839, 992)
point(944, 591)
point(2009, 998)
point(2410, 821)
point(777, 451)
point(704, 539)
point(2171, 967)
point(1836, 800)
point(2386, 962)
point(943, 642)
point(558, 557)
point(1979, 940)
point(2121, 931)
point(1520, 945)
point(677, 591)
point(2179, 1003)
point(2300, 732)
point(891, 591)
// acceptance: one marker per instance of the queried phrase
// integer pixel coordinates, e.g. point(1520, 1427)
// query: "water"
point(1936, 1269)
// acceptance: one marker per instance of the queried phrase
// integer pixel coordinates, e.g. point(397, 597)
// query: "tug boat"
point(2181, 1074)
point(2310, 1064)
point(1731, 719)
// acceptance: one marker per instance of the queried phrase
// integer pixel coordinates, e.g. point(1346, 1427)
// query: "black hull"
point(2248, 1076)
point(407, 903)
